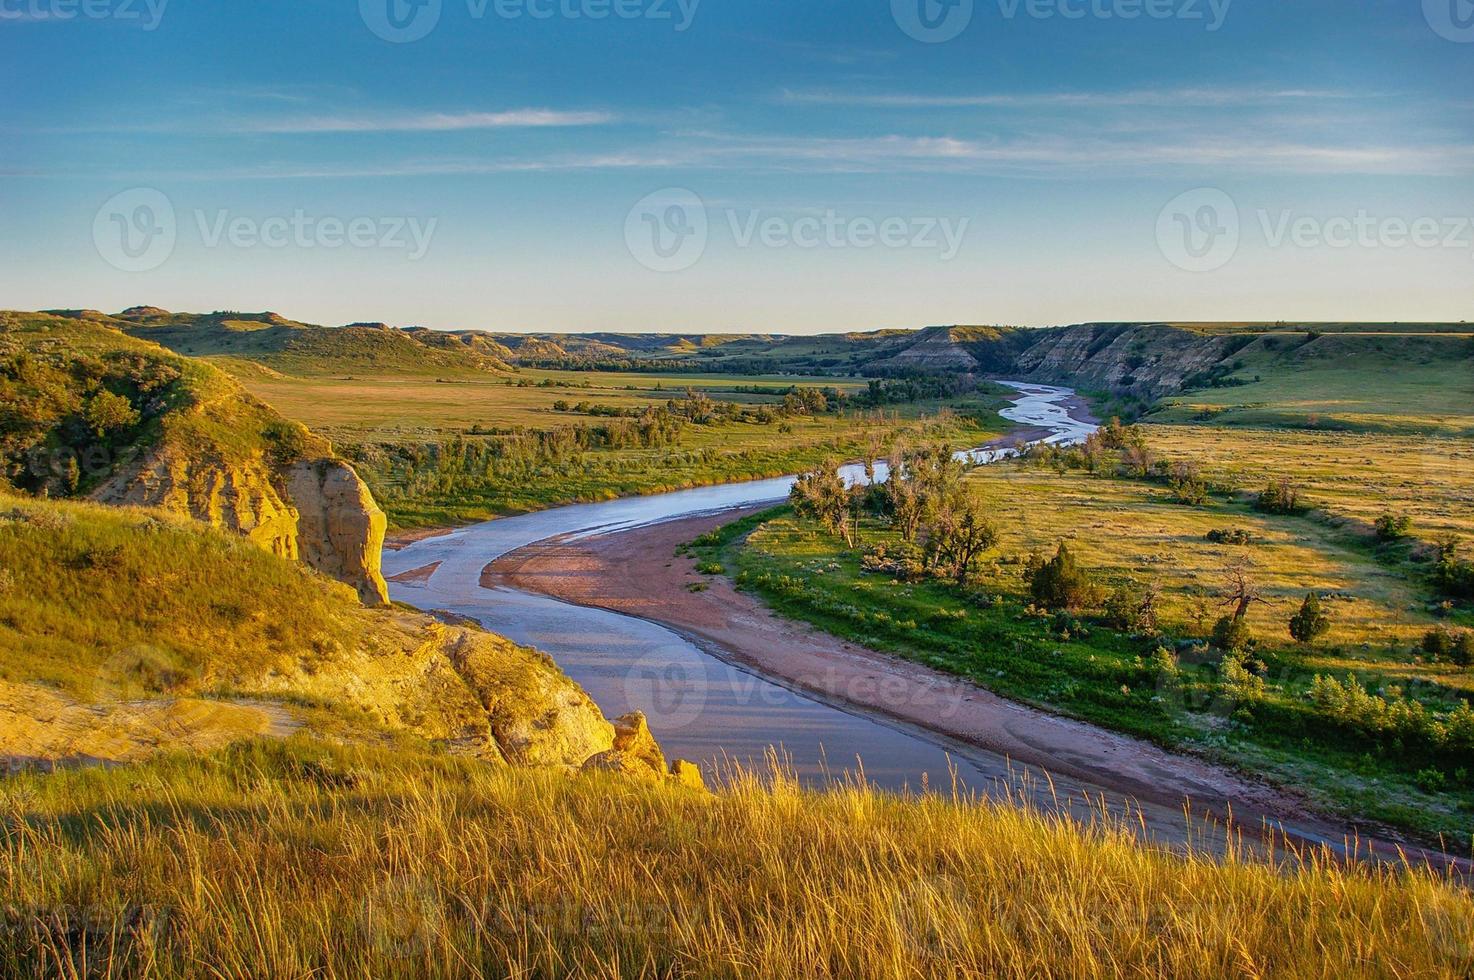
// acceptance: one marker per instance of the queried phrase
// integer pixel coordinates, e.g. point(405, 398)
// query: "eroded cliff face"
point(340, 529)
point(1145, 360)
point(317, 511)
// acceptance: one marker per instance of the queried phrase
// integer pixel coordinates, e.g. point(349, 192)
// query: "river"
point(707, 710)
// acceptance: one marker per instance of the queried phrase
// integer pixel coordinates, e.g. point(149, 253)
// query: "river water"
point(706, 710)
point(700, 707)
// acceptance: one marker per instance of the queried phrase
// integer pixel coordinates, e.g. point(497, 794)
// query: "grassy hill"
point(304, 349)
point(300, 859)
point(80, 391)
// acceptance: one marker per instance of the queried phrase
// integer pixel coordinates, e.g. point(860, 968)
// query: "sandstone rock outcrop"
point(317, 511)
point(340, 530)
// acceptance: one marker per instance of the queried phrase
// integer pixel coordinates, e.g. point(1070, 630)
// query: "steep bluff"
point(1145, 360)
point(176, 636)
point(92, 412)
point(316, 511)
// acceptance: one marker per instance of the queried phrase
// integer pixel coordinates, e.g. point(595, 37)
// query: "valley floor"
point(633, 572)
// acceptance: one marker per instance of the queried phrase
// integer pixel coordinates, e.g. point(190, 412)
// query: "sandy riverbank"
point(637, 573)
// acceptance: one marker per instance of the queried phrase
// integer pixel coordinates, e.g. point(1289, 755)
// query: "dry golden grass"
point(1350, 474)
point(1127, 529)
point(294, 860)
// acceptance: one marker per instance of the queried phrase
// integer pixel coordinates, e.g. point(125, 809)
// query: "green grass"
point(1410, 385)
point(991, 636)
point(298, 859)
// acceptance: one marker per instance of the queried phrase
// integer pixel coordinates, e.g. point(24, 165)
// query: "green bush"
point(1132, 608)
point(1311, 622)
point(1279, 497)
point(1394, 527)
point(1060, 583)
point(1231, 635)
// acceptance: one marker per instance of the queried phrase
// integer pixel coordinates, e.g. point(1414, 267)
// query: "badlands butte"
point(198, 645)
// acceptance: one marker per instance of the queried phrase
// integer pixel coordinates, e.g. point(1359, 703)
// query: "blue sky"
point(799, 166)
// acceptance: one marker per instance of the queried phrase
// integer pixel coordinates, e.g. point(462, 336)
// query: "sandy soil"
point(399, 540)
point(416, 575)
point(44, 729)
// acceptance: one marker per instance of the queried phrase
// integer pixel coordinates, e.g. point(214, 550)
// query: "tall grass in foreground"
point(296, 860)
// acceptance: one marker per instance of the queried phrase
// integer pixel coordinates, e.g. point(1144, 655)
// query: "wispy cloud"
point(1064, 100)
point(348, 123)
point(1043, 158)
point(427, 122)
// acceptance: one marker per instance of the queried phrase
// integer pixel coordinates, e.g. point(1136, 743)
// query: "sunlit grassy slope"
point(296, 860)
point(1400, 384)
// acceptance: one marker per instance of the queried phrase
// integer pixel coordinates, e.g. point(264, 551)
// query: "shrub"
point(107, 413)
point(1060, 583)
point(1311, 622)
point(1165, 666)
point(1231, 634)
point(1188, 486)
point(1232, 535)
point(1241, 675)
point(1394, 527)
point(1132, 608)
point(1462, 652)
point(901, 561)
point(1453, 575)
point(1438, 643)
point(1279, 497)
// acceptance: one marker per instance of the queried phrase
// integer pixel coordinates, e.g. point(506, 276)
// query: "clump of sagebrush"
point(1280, 497)
point(1231, 535)
point(300, 859)
point(1394, 527)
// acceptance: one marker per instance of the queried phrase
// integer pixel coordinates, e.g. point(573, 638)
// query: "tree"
point(822, 494)
point(107, 413)
point(1187, 484)
point(1240, 592)
point(1231, 635)
point(1279, 497)
point(903, 498)
point(1462, 650)
point(960, 536)
point(1130, 607)
point(1311, 622)
point(1060, 583)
